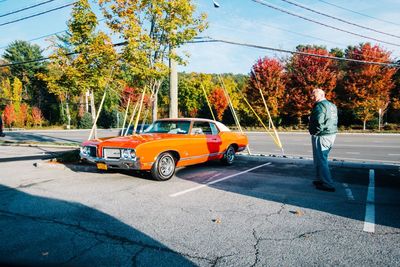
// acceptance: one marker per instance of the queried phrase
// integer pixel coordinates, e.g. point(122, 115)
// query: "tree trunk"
point(93, 111)
point(68, 115)
point(364, 125)
point(155, 107)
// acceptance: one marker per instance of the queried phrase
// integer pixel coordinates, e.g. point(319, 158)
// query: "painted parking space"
point(249, 213)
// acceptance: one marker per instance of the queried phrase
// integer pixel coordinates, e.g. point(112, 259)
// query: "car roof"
point(186, 119)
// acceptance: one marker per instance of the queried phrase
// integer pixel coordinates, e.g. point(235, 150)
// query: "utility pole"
point(173, 86)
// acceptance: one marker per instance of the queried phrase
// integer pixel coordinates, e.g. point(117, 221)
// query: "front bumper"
point(119, 164)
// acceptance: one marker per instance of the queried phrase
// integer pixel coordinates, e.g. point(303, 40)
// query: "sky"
point(244, 21)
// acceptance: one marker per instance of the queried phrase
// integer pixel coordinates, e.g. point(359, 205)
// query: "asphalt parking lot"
point(254, 213)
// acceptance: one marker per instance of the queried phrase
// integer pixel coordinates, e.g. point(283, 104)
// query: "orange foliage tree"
point(306, 73)
point(218, 101)
point(37, 117)
point(9, 115)
point(267, 75)
point(367, 87)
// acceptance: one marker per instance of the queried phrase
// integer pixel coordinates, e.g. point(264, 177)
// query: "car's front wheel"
point(229, 156)
point(164, 167)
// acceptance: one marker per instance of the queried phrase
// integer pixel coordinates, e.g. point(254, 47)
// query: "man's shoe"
point(317, 182)
point(325, 188)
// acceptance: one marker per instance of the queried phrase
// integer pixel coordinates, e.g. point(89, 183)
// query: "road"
point(248, 214)
point(351, 147)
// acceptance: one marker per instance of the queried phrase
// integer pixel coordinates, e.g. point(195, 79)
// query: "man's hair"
point(319, 91)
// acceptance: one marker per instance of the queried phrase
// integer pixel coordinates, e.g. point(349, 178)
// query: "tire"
point(164, 167)
point(229, 156)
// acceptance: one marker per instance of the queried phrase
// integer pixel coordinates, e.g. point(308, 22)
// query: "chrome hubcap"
point(166, 166)
point(230, 154)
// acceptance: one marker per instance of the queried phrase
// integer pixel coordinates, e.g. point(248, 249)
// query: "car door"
point(213, 140)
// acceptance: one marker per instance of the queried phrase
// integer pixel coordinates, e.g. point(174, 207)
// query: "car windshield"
point(172, 127)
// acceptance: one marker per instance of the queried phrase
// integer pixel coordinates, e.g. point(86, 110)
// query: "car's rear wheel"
point(229, 156)
point(164, 167)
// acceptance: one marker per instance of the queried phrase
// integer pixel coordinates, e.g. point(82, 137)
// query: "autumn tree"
point(16, 101)
point(37, 117)
point(218, 101)
point(9, 115)
point(306, 73)
point(367, 86)
point(268, 76)
point(84, 60)
point(151, 30)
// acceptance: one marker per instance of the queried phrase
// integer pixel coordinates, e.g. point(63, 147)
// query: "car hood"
point(132, 141)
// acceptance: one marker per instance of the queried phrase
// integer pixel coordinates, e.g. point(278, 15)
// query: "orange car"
point(165, 145)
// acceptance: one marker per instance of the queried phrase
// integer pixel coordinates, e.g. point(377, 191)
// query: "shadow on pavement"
point(292, 184)
point(40, 231)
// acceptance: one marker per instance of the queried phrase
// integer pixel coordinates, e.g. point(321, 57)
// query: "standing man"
point(323, 129)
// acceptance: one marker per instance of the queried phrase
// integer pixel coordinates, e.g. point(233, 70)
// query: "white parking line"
point(393, 154)
point(369, 222)
point(217, 181)
point(349, 193)
point(353, 153)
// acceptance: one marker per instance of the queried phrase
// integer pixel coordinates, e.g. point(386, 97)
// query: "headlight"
point(133, 154)
point(85, 150)
point(126, 153)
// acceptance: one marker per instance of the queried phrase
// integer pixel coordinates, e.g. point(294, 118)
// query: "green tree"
point(151, 29)
point(84, 60)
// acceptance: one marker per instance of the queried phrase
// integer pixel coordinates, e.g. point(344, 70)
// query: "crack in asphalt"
point(217, 259)
point(255, 246)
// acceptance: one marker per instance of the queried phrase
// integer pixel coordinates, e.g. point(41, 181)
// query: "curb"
point(38, 145)
point(70, 166)
point(307, 161)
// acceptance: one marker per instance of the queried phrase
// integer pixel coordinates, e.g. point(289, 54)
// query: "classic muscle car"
point(165, 145)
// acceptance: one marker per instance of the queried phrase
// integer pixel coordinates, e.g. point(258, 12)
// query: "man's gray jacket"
point(323, 119)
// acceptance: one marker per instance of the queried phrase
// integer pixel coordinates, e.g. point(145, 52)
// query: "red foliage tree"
point(367, 87)
point(306, 73)
point(218, 100)
point(134, 94)
point(9, 115)
point(37, 116)
point(267, 74)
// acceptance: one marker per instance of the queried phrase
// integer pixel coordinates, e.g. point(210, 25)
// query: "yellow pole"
point(131, 119)
point(126, 115)
point(208, 103)
point(98, 114)
point(262, 123)
point(272, 123)
point(232, 109)
point(140, 110)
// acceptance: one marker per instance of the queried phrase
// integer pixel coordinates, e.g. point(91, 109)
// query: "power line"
point(359, 13)
point(212, 40)
point(25, 8)
point(47, 35)
point(320, 23)
point(339, 19)
point(37, 14)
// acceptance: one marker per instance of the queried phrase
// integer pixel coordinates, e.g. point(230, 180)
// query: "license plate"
point(102, 166)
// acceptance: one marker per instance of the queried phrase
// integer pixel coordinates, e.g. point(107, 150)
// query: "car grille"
point(112, 153)
point(92, 151)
